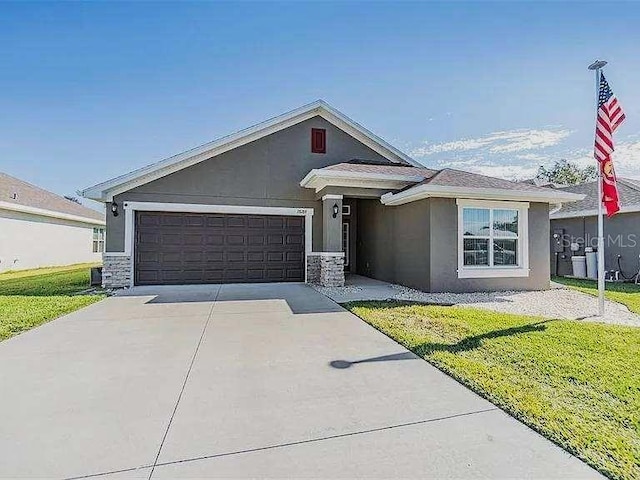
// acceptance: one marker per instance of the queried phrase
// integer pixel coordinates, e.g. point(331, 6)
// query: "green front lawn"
point(576, 383)
point(626, 293)
point(32, 297)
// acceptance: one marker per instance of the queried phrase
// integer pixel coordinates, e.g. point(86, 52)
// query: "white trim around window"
point(97, 237)
point(521, 269)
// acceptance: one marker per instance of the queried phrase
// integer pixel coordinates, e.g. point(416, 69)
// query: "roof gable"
point(106, 190)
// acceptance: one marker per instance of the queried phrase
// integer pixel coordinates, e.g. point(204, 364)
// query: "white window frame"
point(502, 271)
point(100, 240)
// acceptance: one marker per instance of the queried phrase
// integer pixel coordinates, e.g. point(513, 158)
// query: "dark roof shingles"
point(449, 177)
point(382, 169)
point(628, 189)
point(31, 196)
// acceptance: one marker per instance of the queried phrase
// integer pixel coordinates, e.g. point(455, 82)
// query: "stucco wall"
point(30, 241)
point(266, 172)
point(416, 245)
point(444, 252)
point(393, 242)
point(622, 237)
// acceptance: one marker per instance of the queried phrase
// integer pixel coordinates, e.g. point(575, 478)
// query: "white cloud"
point(509, 141)
point(536, 157)
point(517, 167)
point(510, 172)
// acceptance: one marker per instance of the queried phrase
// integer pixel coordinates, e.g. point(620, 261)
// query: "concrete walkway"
point(245, 381)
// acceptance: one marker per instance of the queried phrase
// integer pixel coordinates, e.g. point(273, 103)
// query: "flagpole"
point(597, 66)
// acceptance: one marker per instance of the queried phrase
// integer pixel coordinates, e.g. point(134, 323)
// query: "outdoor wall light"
point(114, 209)
point(335, 210)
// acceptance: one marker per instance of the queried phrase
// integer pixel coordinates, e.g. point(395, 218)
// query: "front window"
point(98, 240)
point(491, 239)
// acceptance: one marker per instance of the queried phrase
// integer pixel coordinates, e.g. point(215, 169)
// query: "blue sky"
point(93, 90)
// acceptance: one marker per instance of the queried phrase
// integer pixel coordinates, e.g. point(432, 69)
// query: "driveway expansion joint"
point(329, 437)
point(289, 444)
point(184, 384)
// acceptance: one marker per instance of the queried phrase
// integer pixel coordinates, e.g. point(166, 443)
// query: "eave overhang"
point(15, 207)
point(590, 212)
point(426, 191)
point(321, 178)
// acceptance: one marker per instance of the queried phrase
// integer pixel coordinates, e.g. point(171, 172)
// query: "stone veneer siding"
point(313, 269)
point(116, 270)
point(326, 269)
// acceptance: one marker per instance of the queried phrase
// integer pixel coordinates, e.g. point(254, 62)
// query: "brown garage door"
point(179, 248)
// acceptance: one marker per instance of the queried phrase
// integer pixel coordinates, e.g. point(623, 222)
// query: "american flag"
point(610, 116)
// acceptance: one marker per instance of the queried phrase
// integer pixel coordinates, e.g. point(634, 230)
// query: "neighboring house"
point(577, 222)
point(41, 229)
point(311, 193)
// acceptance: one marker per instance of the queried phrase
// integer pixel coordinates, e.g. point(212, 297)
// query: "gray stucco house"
point(577, 222)
point(311, 194)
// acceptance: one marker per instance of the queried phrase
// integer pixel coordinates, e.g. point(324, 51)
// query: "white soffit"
point(15, 207)
point(426, 191)
point(321, 178)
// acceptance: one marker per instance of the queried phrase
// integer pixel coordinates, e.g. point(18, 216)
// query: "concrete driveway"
point(245, 381)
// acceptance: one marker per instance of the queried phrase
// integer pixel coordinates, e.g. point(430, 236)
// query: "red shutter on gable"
point(318, 140)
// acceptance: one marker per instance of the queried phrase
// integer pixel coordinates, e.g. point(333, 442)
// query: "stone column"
point(326, 269)
point(331, 226)
point(116, 270)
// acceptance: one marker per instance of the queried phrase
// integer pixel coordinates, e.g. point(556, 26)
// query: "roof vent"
point(14, 196)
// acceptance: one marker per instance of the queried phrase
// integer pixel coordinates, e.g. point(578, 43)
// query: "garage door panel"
point(275, 257)
point(214, 239)
point(236, 221)
point(213, 257)
point(294, 257)
point(173, 248)
point(255, 257)
point(235, 239)
point(255, 239)
point(194, 221)
point(171, 220)
point(293, 273)
point(295, 222)
point(294, 240)
point(256, 222)
point(174, 238)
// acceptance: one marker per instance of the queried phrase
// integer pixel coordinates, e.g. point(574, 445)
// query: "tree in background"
point(73, 199)
point(564, 172)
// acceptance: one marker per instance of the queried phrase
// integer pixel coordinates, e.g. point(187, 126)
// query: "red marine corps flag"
point(610, 116)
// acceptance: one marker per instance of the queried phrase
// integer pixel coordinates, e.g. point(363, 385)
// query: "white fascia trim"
point(590, 213)
point(426, 191)
point(106, 190)
point(320, 178)
point(331, 197)
point(522, 269)
point(555, 209)
point(49, 213)
point(131, 207)
point(205, 208)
